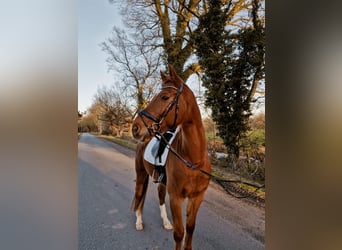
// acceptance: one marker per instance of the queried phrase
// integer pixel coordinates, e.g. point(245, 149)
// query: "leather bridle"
point(154, 128)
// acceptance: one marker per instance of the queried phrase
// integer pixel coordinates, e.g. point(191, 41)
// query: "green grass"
point(223, 173)
point(212, 136)
point(123, 142)
point(259, 192)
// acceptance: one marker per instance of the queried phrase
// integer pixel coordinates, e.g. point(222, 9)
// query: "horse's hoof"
point(168, 226)
point(139, 226)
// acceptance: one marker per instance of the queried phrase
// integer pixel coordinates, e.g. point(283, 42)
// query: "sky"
point(96, 19)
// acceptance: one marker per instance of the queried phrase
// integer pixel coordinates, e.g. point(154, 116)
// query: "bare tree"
point(167, 28)
point(169, 24)
point(136, 63)
point(88, 121)
point(112, 111)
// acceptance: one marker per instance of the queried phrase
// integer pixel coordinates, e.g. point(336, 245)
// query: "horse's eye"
point(165, 97)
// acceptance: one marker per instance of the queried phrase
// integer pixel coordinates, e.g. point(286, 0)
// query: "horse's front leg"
point(191, 213)
point(161, 194)
point(176, 210)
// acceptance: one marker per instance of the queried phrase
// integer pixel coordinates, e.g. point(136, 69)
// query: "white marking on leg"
point(166, 223)
point(139, 223)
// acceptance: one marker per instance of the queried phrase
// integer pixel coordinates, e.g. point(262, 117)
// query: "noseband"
point(155, 127)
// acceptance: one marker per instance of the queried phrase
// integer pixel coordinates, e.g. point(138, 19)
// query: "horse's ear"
point(174, 77)
point(163, 76)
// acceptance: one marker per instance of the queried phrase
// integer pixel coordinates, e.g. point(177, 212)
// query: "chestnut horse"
point(174, 106)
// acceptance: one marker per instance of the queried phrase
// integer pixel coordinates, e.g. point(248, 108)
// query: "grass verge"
point(218, 172)
point(121, 141)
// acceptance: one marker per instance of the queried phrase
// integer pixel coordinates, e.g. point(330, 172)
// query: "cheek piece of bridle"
point(154, 128)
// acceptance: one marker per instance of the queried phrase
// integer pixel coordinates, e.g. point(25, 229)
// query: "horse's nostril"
point(135, 129)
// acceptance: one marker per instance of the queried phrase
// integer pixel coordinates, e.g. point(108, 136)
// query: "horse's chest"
point(185, 186)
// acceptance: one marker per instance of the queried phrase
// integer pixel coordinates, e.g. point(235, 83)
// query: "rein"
point(154, 130)
point(219, 180)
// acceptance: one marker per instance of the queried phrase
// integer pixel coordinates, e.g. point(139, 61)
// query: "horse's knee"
point(190, 229)
point(178, 235)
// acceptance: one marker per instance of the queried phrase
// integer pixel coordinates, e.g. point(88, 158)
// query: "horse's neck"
point(193, 139)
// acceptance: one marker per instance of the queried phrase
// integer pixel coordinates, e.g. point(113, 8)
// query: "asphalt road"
point(106, 186)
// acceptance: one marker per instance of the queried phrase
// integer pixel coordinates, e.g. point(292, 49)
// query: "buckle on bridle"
point(155, 127)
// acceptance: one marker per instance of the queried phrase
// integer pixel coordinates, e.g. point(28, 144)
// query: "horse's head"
point(166, 109)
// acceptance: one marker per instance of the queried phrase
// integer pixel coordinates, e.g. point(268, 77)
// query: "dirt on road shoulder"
point(247, 215)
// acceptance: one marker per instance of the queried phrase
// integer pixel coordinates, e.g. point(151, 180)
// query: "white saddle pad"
point(151, 151)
